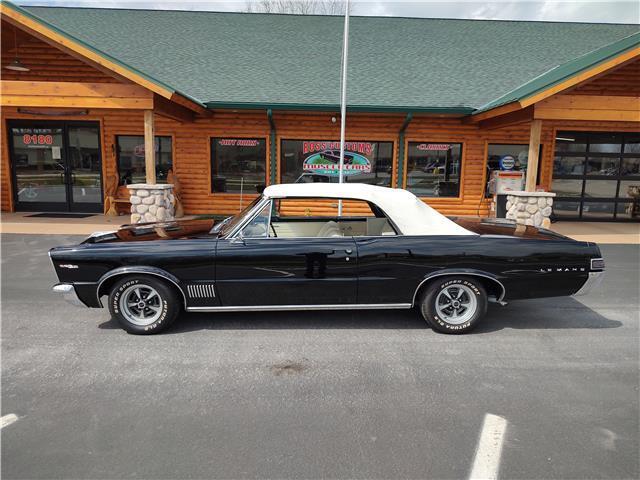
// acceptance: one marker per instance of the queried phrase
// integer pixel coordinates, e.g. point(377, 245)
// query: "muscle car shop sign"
point(324, 158)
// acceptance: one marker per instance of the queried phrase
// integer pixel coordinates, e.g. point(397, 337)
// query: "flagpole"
point(343, 96)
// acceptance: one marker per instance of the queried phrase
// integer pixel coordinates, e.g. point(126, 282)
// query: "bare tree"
point(299, 7)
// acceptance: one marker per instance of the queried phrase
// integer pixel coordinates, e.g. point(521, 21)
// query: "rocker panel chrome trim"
point(263, 308)
point(463, 273)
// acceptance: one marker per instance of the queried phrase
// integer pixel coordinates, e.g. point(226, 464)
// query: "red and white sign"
point(434, 146)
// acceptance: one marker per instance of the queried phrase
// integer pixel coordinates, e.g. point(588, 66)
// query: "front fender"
point(111, 276)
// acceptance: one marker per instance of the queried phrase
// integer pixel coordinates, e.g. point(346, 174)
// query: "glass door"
point(84, 168)
point(56, 166)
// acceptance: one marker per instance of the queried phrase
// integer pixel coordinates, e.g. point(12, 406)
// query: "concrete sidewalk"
point(23, 223)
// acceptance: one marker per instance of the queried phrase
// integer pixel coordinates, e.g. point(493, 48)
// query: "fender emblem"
point(67, 265)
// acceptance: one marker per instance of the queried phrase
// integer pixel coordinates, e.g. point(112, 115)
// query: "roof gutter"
point(336, 108)
point(272, 147)
point(401, 160)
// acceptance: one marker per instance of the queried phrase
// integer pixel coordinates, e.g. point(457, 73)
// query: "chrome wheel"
point(456, 304)
point(141, 304)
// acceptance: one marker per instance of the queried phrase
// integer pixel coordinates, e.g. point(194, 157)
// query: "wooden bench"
point(114, 195)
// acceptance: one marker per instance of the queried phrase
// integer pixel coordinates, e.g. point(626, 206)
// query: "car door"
point(254, 269)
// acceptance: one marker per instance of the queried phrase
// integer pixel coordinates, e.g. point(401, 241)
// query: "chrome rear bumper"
point(68, 292)
point(592, 282)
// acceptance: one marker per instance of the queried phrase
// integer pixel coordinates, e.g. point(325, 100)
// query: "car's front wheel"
point(143, 304)
point(454, 304)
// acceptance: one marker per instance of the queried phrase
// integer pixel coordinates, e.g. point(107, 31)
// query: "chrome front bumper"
point(592, 282)
point(68, 292)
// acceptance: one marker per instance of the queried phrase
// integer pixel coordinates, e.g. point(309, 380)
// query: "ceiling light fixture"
point(16, 65)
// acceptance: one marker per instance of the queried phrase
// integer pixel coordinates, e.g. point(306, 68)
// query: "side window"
point(305, 218)
point(258, 227)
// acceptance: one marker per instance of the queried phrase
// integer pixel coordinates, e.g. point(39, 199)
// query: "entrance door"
point(56, 166)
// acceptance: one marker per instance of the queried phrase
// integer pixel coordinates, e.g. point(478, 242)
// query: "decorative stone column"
point(151, 203)
point(530, 208)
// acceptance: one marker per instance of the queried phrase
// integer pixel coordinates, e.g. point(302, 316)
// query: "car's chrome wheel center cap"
point(456, 304)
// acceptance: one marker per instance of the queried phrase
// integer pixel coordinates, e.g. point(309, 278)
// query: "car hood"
point(502, 226)
point(174, 230)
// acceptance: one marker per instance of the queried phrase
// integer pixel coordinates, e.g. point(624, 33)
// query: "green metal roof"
point(565, 71)
point(293, 61)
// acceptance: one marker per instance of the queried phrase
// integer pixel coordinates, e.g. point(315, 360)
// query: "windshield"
point(228, 224)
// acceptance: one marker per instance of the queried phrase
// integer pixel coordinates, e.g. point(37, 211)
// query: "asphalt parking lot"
point(312, 394)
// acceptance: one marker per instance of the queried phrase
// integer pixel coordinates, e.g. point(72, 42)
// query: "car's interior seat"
point(330, 229)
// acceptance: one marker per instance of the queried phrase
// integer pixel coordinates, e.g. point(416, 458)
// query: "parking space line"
point(8, 419)
point(487, 460)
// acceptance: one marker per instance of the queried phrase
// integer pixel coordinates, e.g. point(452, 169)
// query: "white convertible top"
point(410, 214)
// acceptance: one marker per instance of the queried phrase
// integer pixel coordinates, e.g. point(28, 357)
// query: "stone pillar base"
point(530, 208)
point(151, 203)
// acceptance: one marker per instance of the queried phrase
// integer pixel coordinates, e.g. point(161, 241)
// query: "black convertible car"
point(389, 250)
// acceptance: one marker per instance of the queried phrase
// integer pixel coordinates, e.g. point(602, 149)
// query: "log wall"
point(191, 145)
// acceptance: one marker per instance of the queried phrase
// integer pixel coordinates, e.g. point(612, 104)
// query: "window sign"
point(131, 163)
point(238, 165)
point(508, 157)
point(433, 169)
point(310, 161)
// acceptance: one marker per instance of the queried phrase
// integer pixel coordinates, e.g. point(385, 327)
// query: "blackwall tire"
point(454, 304)
point(144, 305)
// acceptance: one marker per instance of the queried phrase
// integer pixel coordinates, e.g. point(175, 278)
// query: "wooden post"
point(149, 148)
point(534, 153)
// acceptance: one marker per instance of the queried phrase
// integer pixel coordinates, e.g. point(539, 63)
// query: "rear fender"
point(490, 277)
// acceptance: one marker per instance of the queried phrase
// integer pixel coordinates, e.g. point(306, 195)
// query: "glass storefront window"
point(600, 210)
point(568, 166)
point(566, 187)
point(312, 161)
point(603, 165)
point(571, 142)
point(627, 210)
point(594, 169)
point(600, 188)
point(628, 188)
point(238, 165)
point(632, 143)
point(630, 166)
point(605, 143)
point(131, 165)
point(563, 208)
point(434, 169)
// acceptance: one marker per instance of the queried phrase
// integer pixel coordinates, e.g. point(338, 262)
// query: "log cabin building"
point(94, 100)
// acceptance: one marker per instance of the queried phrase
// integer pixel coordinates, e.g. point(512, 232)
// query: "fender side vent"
point(201, 290)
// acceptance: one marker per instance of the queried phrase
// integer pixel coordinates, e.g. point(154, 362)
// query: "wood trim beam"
point(74, 95)
point(149, 148)
point(76, 102)
point(73, 89)
point(586, 114)
point(172, 110)
point(534, 153)
point(513, 118)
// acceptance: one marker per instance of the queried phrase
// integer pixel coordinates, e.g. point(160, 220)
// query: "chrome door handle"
point(348, 250)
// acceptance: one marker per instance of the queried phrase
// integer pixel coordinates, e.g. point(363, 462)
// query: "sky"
point(613, 11)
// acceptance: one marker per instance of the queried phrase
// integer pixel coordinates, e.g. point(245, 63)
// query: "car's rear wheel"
point(143, 304)
point(454, 304)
